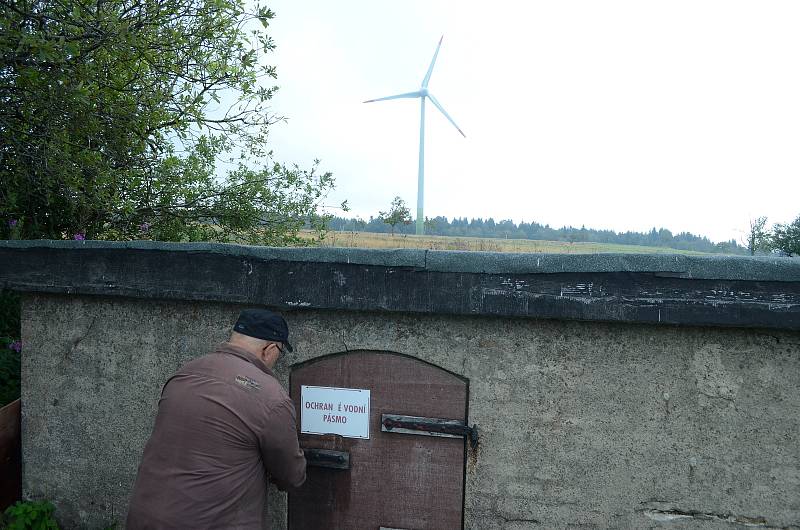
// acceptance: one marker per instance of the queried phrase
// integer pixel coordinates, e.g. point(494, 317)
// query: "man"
point(224, 427)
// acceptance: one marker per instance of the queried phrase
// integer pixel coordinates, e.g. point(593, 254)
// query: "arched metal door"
point(392, 480)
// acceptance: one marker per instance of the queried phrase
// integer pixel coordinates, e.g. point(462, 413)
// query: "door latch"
point(327, 458)
point(429, 427)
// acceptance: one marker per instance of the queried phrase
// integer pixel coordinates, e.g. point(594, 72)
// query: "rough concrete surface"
point(583, 424)
point(708, 267)
point(663, 290)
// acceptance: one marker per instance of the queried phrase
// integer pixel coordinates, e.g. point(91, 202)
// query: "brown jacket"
point(224, 426)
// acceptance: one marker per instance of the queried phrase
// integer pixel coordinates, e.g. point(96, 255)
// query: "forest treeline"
point(507, 229)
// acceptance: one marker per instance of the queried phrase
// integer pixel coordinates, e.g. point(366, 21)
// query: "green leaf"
point(126, 128)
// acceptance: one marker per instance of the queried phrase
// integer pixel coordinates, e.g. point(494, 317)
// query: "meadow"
point(378, 240)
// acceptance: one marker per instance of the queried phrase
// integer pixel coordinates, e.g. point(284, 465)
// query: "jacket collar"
point(230, 349)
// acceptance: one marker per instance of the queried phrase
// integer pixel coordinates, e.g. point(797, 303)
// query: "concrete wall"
point(583, 425)
point(610, 391)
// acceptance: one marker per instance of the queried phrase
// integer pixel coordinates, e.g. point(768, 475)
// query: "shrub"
point(30, 515)
point(10, 347)
point(9, 371)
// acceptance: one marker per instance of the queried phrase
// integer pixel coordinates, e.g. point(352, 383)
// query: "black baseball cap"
point(263, 324)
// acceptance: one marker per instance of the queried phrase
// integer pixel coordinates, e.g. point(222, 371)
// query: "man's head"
point(262, 333)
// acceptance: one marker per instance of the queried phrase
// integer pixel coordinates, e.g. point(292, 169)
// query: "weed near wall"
point(26, 515)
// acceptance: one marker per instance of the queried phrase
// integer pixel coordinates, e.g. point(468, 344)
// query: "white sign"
point(342, 411)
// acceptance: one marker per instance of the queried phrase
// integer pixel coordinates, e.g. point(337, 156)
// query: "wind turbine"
point(423, 93)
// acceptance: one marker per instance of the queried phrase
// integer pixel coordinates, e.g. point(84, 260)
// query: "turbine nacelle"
point(423, 92)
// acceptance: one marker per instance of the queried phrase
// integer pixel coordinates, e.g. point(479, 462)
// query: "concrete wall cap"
point(710, 267)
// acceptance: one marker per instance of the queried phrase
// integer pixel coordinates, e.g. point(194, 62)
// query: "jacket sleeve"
point(280, 450)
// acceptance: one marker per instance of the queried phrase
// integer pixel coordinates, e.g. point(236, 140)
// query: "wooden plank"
point(10, 454)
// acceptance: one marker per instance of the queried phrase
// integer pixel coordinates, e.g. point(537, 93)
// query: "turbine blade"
point(433, 61)
point(446, 115)
point(398, 96)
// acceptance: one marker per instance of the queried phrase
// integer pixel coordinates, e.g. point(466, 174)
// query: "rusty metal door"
point(395, 481)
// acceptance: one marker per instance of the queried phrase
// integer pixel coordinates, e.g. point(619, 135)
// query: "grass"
point(375, 240)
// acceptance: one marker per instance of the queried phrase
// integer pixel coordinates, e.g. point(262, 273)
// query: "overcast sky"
point(622, 115)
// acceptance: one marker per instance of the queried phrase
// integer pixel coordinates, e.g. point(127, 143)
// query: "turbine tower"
point(423, 93)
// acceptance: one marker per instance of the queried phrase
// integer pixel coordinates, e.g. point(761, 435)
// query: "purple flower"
point(144, 227)
point(12, 223)
point(80, 236)
point(16, 346)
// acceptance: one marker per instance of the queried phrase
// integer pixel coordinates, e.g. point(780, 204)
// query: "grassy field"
point(373, 240)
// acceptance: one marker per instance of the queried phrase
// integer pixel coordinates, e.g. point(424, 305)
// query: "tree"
point(431, 224)
point(786, 238)
point(398, 213)
point(107, 128)
point(758, 238)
